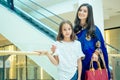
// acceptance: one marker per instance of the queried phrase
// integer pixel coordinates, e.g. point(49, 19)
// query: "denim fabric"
point(75, 77)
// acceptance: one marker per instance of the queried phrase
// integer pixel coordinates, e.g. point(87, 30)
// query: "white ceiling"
point(111, 8)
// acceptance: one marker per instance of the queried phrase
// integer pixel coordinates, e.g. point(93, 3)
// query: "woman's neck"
point(83, 23)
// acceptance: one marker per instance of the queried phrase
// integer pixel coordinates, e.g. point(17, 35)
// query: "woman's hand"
point(53, 48)
point(95, 57)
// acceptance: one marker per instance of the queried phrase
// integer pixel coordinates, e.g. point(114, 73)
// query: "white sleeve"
point(57, 48)
point(56, 52)
point(79, 52)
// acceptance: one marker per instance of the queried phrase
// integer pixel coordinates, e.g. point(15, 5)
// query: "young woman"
point(89, 35)
point(68, 54)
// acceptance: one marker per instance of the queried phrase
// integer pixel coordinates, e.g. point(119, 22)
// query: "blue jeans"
point(75, 77)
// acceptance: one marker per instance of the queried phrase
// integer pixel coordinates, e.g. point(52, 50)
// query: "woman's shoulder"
point(96, 28)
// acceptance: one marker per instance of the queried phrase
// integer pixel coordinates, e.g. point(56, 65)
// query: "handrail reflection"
point(114, 55)
point(112, 47)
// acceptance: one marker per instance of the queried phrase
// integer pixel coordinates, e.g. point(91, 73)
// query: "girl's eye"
point(69, 29)
point(64, 29)
point(85, 11)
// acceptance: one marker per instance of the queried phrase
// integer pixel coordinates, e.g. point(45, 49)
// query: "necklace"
point(88, 37)
point(84, 26)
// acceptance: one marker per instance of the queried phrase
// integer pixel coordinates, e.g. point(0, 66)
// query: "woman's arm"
point(79, 63)
point(103, 48)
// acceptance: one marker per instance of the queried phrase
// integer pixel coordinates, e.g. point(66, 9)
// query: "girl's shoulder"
point(76, 42)
point(57, 42)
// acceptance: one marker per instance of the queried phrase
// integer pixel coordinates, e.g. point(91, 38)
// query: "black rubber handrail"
point(38, 12)
point(113, 47)
point(46, 9)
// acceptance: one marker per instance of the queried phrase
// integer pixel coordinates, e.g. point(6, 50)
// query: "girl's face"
point(83, 13)
point(66, 30)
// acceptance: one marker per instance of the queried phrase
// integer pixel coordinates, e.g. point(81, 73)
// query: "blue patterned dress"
point(88, 48)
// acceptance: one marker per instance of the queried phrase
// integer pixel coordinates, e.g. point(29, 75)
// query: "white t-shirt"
point(68, 53)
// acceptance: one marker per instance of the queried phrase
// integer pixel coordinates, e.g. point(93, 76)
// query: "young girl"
point(68, 53)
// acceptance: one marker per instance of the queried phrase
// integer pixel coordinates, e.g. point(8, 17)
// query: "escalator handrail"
point(113, 47)
point(51, 31)
point(38, 12)
point(46, 9)
point(26, 14)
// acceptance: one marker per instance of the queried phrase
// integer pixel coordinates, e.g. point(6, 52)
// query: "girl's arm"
point(79, 68)
point(54, 59)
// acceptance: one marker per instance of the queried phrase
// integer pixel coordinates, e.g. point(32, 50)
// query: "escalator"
point(36, 30)
point(39, 13)
point(28, 37)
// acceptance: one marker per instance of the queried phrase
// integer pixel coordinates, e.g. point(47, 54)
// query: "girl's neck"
point(67, 39)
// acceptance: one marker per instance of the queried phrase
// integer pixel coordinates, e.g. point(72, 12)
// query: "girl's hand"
point(95, 57)
point(53, 48)
point(42, 52)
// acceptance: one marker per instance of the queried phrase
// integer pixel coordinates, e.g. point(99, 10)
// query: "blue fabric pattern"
point(88, 48)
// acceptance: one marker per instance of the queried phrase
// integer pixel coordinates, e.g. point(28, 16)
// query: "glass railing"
point(114, 61)
point(43, 19)
point(40, 13)
point(112, 51)
point(15, 65)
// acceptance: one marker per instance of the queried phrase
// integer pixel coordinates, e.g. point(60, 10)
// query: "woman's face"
point(83, 13)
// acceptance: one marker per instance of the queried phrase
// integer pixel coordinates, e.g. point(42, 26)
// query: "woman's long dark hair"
point(89, 21)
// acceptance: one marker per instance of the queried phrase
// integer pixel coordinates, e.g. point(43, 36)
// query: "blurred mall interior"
point(29, 25)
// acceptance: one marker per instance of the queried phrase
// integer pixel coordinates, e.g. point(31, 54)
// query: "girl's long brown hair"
point(60, 36)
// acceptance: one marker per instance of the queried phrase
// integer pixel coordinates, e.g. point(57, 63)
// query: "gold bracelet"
point(51, 52)
point(96, 52)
